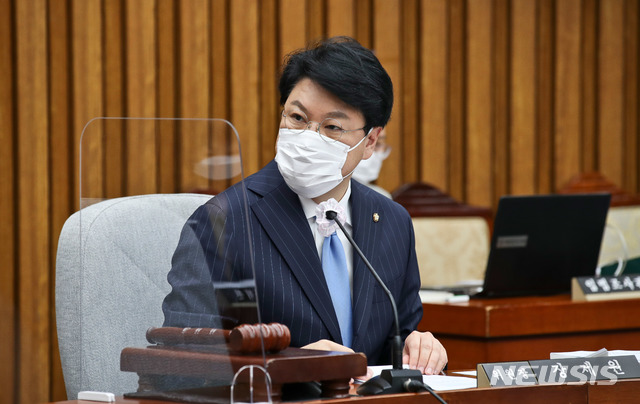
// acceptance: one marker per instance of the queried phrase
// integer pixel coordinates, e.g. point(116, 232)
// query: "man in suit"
point(336, 99)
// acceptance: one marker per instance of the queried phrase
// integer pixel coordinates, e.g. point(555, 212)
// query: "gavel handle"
point(187, 336)
point(245, 338)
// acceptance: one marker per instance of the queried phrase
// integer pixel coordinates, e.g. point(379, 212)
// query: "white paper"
point(376, 370)
point(445, 383)
point(578, 354)
point(434, 296)
point(591, 354)
point(467, 373)
point(619, 352)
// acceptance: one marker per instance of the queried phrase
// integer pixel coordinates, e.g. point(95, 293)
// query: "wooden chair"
point(424, 200)
point(452, 238)
point(595, 182)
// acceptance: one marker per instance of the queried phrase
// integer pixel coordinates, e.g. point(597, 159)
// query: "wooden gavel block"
point(245, 338)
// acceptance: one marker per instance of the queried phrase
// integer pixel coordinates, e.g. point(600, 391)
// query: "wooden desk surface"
point(529, 316)
point(524, 328)
point(625, 391)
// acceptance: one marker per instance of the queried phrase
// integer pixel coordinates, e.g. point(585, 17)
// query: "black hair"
point(347, 70)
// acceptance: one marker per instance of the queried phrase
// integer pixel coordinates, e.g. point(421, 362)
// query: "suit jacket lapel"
point(281, 215)
point(366, 234)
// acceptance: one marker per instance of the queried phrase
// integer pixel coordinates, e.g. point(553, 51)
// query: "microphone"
point(396, 353)
point(414, 386)
point(397, 379)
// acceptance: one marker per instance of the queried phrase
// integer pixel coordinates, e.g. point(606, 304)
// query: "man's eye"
point(333, 128)
point(297, 117)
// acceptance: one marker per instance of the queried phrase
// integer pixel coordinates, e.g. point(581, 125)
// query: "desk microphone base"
point(390, 381)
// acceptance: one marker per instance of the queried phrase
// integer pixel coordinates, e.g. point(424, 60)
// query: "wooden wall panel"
point(409, 93)
point(194, 95)
point(567, 91)
point(610, 89)
point(387, 45)
point(316, 17)
point(502, 73)
point(115, 99)
point(34, 281)
point(219, 81)
point(545, 106)
point(141, 76)
point(523, 97)
point(363, 23)
point(8, 229)
point(631, 174)
point(220, 59)
point(167, 86)
point(479, 102)
point(269, 70)
point(60, 113)
point(88, 102)
point(589, 47)
point(61, 141)
point(492, 97)
point(434, 92)
point(340, 17)
point(293, 26)
point(457, 48)
point(245, 107)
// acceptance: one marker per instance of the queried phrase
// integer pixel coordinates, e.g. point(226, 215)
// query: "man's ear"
point(370, 142)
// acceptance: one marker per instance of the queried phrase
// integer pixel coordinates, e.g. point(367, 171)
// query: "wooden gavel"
point(245, 338)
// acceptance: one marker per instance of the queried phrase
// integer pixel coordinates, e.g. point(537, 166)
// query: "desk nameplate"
point(502, 374)
point(558, 371)
point(592, 288)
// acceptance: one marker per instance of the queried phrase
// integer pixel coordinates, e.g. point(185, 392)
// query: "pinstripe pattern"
point(289, 277)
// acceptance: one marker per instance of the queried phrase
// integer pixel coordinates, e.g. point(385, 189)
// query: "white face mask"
point(309, 165)
point(368, 170)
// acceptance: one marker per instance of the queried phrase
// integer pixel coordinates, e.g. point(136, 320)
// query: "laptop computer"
point(540, 242)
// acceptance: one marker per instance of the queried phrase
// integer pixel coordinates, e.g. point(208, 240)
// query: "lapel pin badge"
point(376, 217)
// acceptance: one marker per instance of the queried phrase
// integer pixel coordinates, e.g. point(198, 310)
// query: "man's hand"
point(424, 352)
point(326, 345)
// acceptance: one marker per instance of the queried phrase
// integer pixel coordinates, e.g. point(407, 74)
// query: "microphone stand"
point(397, 379)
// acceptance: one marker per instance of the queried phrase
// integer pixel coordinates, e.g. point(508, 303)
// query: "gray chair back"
point(110, 287)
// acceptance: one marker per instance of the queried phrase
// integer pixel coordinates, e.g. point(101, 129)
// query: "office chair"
point(452, 238)
point(110, 286)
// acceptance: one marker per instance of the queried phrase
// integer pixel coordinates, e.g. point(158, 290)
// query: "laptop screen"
point(540, 242)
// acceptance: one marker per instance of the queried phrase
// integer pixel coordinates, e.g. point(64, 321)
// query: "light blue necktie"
point(334, 265)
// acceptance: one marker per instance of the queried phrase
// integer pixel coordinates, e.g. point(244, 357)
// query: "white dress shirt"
point(309, 207)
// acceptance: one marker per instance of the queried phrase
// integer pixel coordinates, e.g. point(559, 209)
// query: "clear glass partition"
point(151, 210)
point(614, 252)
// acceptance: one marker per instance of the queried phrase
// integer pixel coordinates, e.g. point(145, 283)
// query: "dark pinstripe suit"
point(289, 278)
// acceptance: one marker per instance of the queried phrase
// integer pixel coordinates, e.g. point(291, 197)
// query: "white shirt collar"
point(309, 206)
